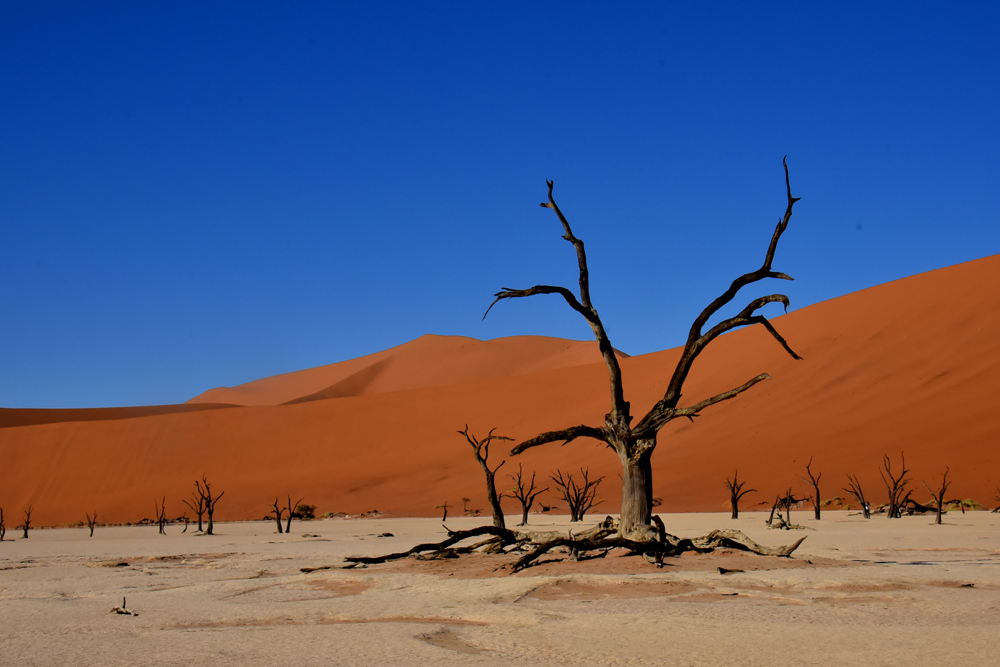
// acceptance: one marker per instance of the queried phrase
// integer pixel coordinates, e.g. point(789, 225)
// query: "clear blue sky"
point(203, 194)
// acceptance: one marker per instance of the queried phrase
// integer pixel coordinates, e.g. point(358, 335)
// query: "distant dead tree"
point(161, 514)
point(291, 513)
point(3, 527)
point(27, 520)
point(278, 511)
point(855, 491)
point(197, 504)
point(895, 485)
point(635, 440)
point(579, 497)
point(736, 493)
point(995, 497)
point(525, 493)
point(481, 450)
point(91, 522)
point(783, 503)
point(443, 506)
point(814, 481)
point(939, 495)
point(208, 502)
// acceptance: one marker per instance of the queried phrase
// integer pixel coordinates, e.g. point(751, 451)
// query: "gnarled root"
point(601, 538)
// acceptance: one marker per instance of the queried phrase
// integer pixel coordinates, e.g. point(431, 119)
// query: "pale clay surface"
point(238, 598)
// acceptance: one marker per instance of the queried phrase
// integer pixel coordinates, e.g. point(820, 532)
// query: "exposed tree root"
point(505, 536)
point(601, 538)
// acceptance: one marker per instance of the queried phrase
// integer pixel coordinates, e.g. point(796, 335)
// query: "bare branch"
point(509, 293)
point(619, 406)
point(654, 421)
point(566, 435)
point(697, 341)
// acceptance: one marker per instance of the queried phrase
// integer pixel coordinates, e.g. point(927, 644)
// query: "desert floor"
point(857, 592)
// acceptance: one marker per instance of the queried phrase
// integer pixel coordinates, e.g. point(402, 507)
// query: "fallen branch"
point(454, 537)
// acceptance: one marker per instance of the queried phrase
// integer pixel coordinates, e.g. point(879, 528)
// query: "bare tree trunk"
point(277, 515)
point(494, 500)
point(291, 511)
point(481, 450)
point(637, 495)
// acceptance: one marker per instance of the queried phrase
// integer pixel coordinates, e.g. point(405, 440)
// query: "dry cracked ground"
point(878, 592)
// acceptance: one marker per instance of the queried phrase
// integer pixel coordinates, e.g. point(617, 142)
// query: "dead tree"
point(939, 496)
point(634, 443)
point(579, 497)
point(278, 511)
point(856, 492)
point(291, 513)
point(161, 514)
point(481, 450)
point(3, 527)
point(736, 493)
point(443, 506)
point(91, 522)
point(525, 493)
point(814, 481)
point(783, 503)
point(995, 497)
point(197, 504)
point(27, 520)
point(208, 502)
point(895, 485)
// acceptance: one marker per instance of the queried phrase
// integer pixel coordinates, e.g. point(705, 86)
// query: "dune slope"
point(911, 366)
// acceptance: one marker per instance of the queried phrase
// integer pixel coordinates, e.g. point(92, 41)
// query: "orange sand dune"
point(911, 366)
point(29, 416)
point(429, 361)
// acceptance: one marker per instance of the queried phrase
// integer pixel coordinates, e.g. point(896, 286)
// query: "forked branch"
point(697, 340)
point(619, 406)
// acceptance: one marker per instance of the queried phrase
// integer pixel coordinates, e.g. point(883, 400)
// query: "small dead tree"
point(995, 497)
point(278, 511)
point(736, 493)
point(443, 506)
point(814, 481)
point(939, 495)
point(197, 504)
point(525, 493)
point(481, 450)
point(208, 502)
point(855, 491)
point(783, 503)
point(161, 514)
point(291, 513)
point(27, 520)
point(579, 497)
point(3, 527)
point(635, 440)
point(895, 485)
point(91, 522)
